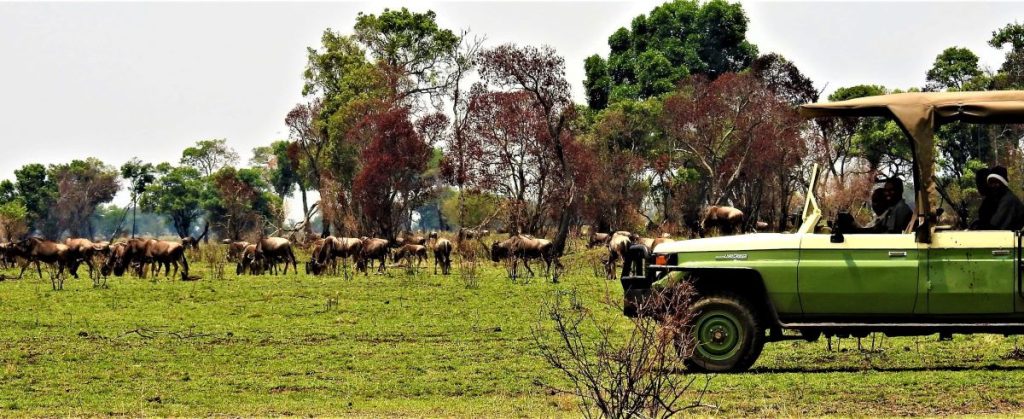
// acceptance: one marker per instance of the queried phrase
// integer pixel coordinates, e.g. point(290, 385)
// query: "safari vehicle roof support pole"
point(812, 213)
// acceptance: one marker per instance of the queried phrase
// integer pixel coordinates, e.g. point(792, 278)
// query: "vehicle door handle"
point(897, 254)
point(1001, 252)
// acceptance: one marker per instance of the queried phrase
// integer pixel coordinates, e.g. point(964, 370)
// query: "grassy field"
point(414, 345)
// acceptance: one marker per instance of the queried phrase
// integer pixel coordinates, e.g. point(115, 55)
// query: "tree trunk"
point(305, 211)
point(133, 218)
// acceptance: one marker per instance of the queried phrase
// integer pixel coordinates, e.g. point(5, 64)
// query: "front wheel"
point(725, 335)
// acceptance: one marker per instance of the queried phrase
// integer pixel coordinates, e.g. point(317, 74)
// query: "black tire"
point(726, 333)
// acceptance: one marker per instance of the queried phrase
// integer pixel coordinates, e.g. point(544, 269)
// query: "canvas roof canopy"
point(919, 115)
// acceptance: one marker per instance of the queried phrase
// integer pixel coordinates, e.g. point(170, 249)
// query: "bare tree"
point(618, 376)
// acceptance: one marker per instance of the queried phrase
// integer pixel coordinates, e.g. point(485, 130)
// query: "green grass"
point(412, 345)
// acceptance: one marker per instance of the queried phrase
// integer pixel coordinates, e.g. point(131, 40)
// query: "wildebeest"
point(326, 250)
point(410, 251)
point(729, 220)
point(138, 252)
point(80, 251)
point(235, 249)
point(273, 250)
point(167, 254)
point(115, 254)
point(469, 233)
point(618, 245)
point(442, 255)
point(36, 250)
point(374, 249)
point(598, 239)
point(249, 261)
point(523, 247)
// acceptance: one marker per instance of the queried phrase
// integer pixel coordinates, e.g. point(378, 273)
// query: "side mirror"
point(837, 237)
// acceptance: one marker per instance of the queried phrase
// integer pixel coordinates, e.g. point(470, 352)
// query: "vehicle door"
point(864, 273)
point(972, 272)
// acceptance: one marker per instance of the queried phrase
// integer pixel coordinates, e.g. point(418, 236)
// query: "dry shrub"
point(468, 270)
point(617, 373)
point(215, 258)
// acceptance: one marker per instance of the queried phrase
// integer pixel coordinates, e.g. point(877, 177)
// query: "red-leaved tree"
point(540, 73)
point(390, 181)
point(733, 129)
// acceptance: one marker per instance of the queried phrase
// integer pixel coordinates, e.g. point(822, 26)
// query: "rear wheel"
point(725, 336)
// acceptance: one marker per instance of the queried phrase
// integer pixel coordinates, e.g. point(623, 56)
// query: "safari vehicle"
point(928, 280)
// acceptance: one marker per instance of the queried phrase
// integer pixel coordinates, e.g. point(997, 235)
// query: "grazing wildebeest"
point(729, 220)
point(235, 249)
point(523, 247)
point(249, 261)
point(273, 250)
point(410, 251)
point(598, 239)
point(326, 251)
point(618, 245)
point(36, 250)
point(442, 255)
point(80, 251)
point(190, 242)
point(374, 249)
point(166, 254)
point(115, 263)
point(469, 233)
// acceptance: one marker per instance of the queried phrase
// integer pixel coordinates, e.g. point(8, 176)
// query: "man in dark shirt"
point(1007, 212)
point(898, 216)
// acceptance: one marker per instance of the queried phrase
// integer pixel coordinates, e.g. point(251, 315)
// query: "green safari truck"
point(926, 280)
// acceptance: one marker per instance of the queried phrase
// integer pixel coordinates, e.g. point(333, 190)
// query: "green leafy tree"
point(13, 219)
point(209, 156)
point(676, 39)
point(412, 46)
point(878, 141)
point(1011, 73)
point(179, 193)
point(38, 192)
point(139, 175)
point(955, 69)
point(241, 204)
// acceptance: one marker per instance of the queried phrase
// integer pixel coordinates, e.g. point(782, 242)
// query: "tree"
point(389, 183)
point(677, 39)
point(783, 78)
point(241, 205)
point(139, 175)
point(1011, 73)
point(178, 194)
point(505, 141)
point(955, 69)
point(456, 158)
point(412, 47)
point(13, 219)
point(723, 126)
point(209, 156)
point(81, 186)
point(307, 150)
point(281, 174)
point(628, 141)
point(540, 72)
point(38, 192)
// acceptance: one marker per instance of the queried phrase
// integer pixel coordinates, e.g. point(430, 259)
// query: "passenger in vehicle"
point(897, 217)
point(879, 205)
point(1007, 209)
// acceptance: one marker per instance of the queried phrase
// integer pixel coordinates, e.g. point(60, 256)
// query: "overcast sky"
point(117, 80)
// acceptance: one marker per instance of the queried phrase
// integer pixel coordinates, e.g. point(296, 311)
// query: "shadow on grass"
point(816, 370)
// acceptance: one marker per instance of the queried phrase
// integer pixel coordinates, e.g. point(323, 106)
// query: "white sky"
point(117, 80)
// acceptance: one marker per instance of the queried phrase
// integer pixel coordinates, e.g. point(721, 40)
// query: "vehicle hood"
point(756, 241)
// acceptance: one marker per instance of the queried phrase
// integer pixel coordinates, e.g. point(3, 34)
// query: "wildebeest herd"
point(328, 254)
